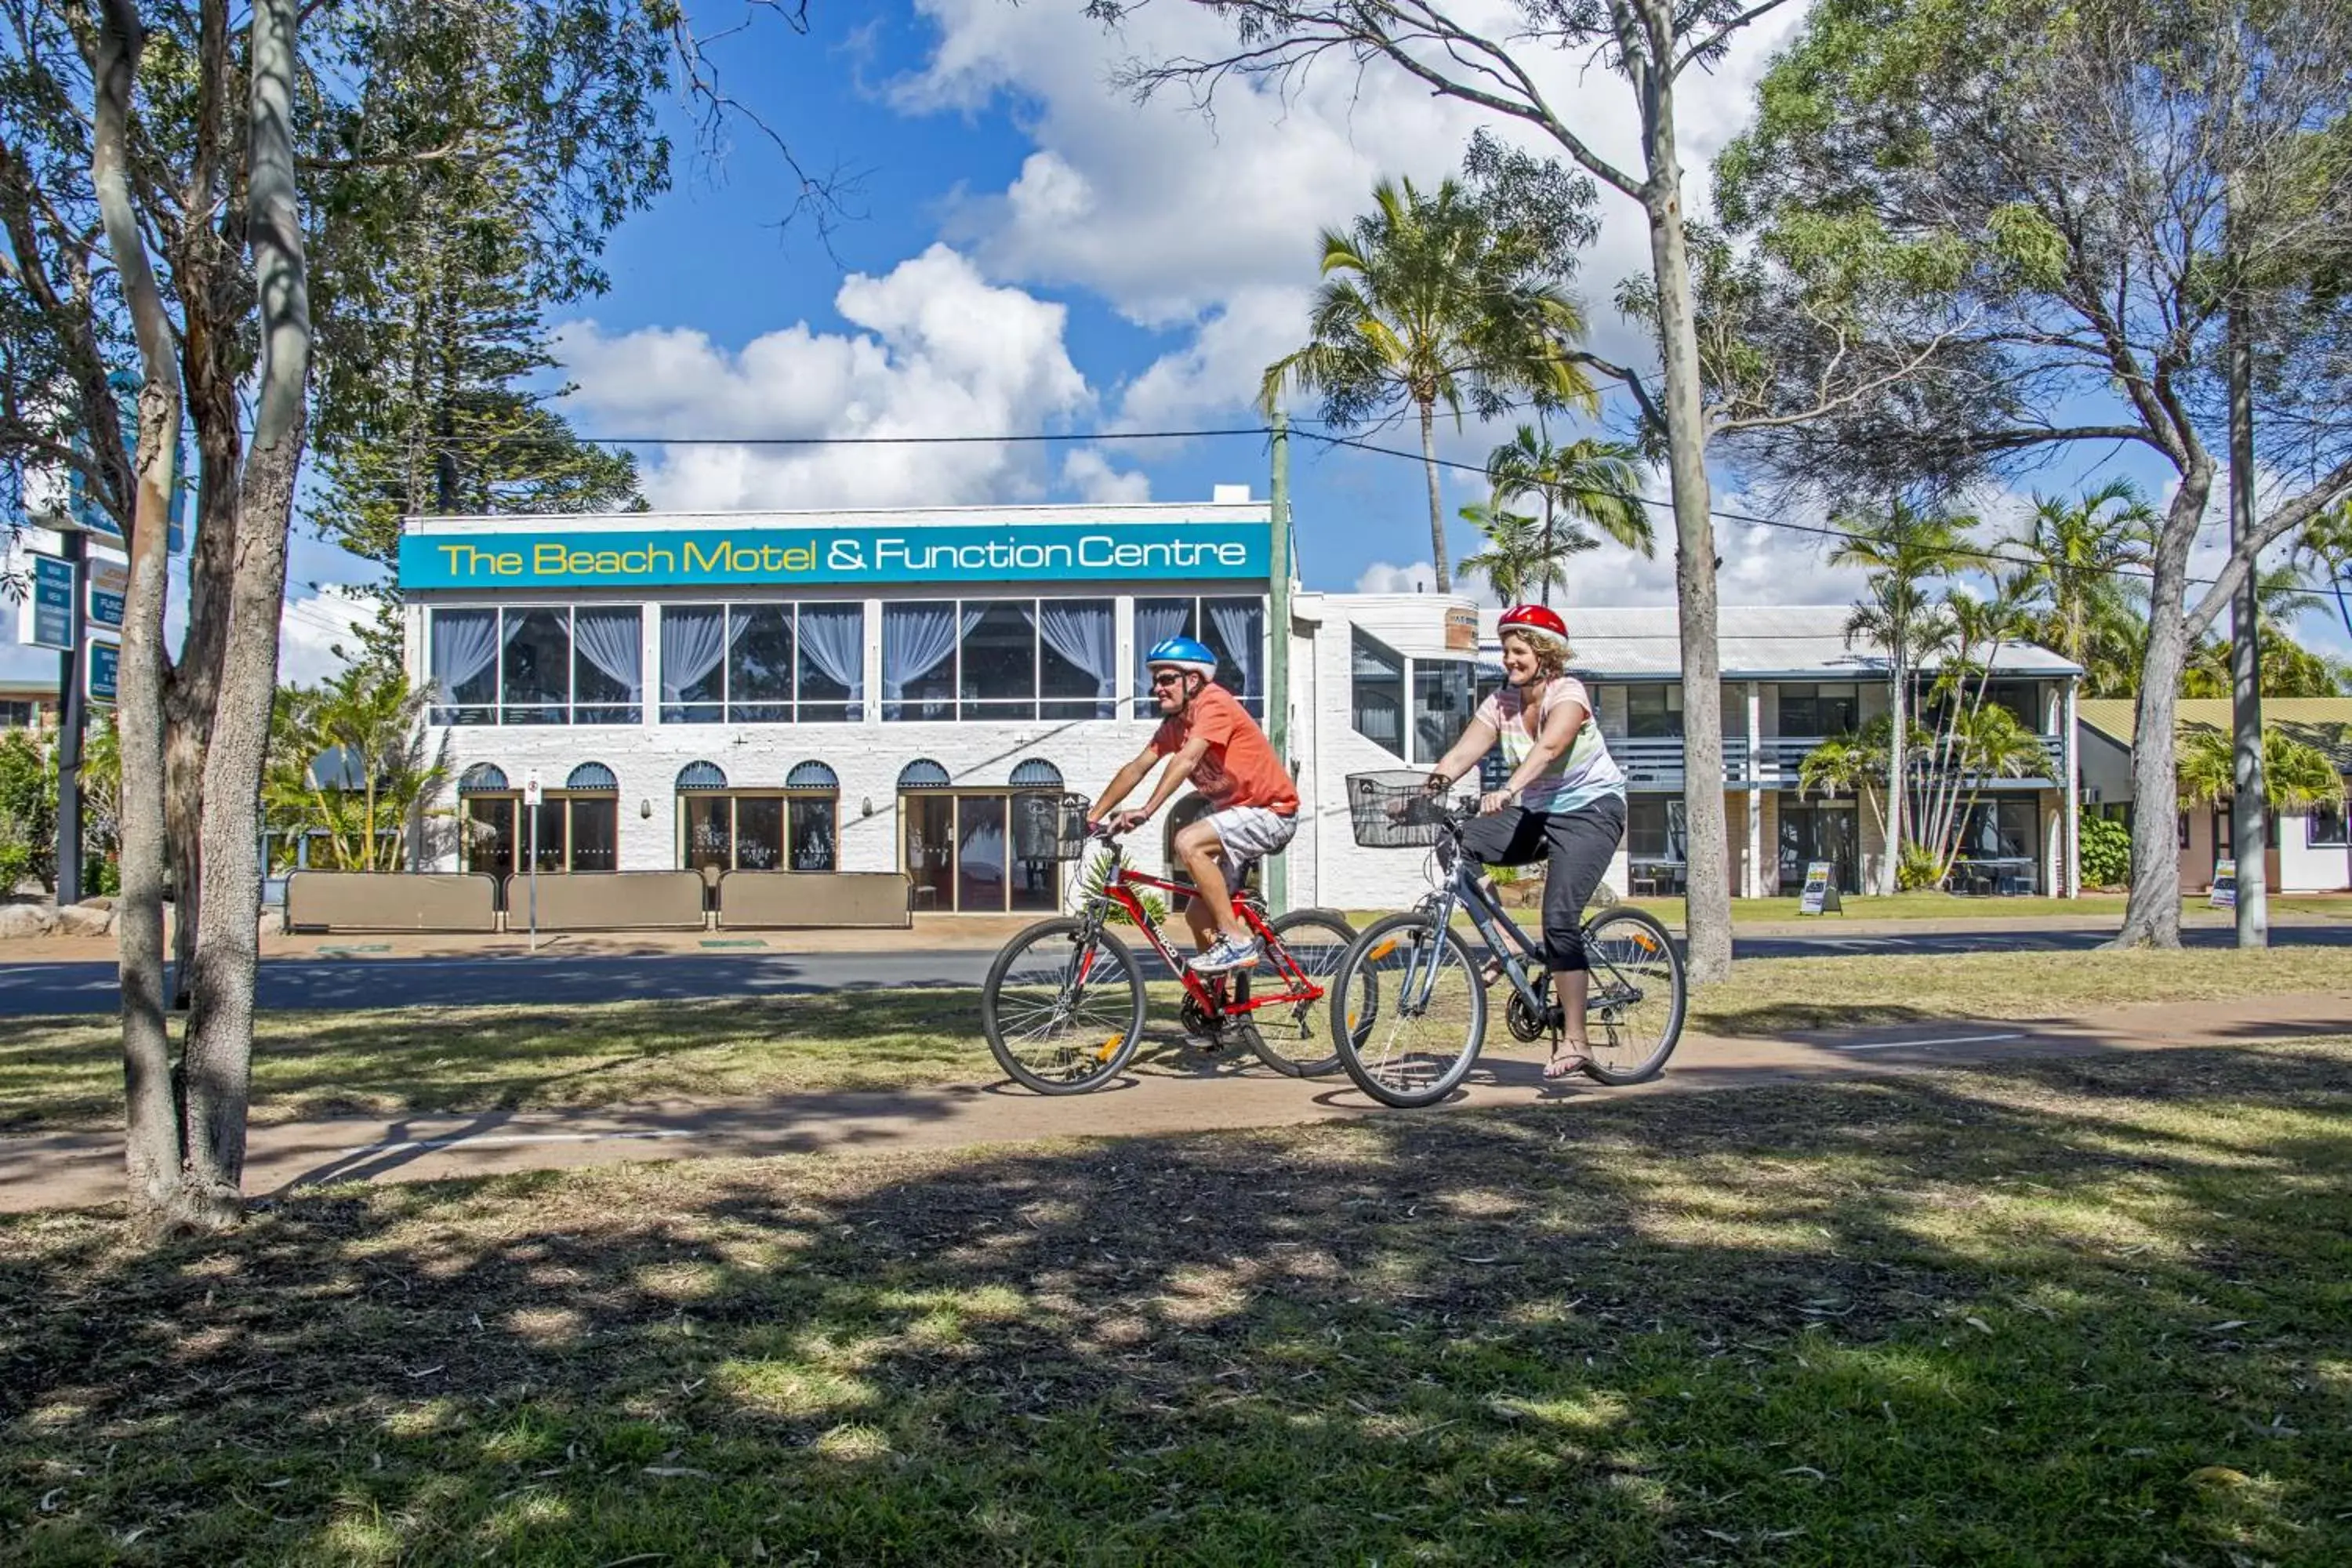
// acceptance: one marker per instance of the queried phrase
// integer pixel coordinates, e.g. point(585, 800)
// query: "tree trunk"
point(1436, 506)
point(2152, 914)
point(2249, 824)
point(1707, 920)
point(220, 1033)
point(1898, 727)
point(151, 1154)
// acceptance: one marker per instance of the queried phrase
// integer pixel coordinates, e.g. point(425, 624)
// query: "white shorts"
point(1249, 832)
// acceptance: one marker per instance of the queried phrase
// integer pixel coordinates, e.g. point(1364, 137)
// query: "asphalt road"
point(347, 984)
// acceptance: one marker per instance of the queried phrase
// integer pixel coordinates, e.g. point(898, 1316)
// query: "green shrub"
point(1097, 869)
point(1918, 867)
point(2106, 852)
point(28, 806)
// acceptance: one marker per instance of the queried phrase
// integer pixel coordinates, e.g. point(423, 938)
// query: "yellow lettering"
point(608, 563)
point(508, 563)
point(657, 560)
point(801, 558)
point(716, 561)
point(547, 560)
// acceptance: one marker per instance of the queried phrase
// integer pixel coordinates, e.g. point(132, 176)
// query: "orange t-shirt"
point(1240, 768)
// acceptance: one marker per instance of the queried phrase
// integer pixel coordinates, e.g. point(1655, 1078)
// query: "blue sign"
point(105, 608)
point(105, 667)
point(49, 613)
point(704, 556)
point(110, 585)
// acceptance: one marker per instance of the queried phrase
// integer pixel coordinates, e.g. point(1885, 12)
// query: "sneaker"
point(1226, 954)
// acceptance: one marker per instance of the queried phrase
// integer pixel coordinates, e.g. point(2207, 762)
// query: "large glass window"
point(982, 853)
point(2324, 828)
point(464, 661)
point(756, 830)
point(763, 664)
point(1655, 828)
point(574, 832)
point(813, 828)
point(1376, 696)
point(535, 671)
point(1235, 629)
point(998, 658)
point(1654, 711)
point(1443, 694)
point(1812, 831)
point(536, 664)
point(1818, 710)
point(608, 665)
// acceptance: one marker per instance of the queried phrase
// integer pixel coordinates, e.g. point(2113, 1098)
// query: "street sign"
point(1821, 891)
point(2225, 895)
point(532, 792)
point(105, 665)
point(46, 618)
point(110, 587)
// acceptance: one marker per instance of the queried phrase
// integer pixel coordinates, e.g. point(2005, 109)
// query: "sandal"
point(1567, 1061)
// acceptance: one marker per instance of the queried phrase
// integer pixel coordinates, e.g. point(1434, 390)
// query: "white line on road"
point(1945, 1040)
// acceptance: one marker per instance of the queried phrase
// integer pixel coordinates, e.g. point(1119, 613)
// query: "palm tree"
point(348, 761)
point(2295, 776)
point(1851, 764)
point(1987, 743)
point(1422, 307)
point(1523, 560)
point(1586, 481)
point(1905, 552)
point(2079, 550)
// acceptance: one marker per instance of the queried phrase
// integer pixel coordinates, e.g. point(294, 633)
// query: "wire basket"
point(1394, 810)
point(1050, 826)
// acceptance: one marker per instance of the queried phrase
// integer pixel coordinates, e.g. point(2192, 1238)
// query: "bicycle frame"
point(1118, 883)
point(1462, 889)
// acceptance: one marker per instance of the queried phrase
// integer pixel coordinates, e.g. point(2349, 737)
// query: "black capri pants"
point(1576, 846)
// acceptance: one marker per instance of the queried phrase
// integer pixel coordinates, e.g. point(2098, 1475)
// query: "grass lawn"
point(66, 1072)
point(2083, 1311)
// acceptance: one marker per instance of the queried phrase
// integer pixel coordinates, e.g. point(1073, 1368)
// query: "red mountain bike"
point(1064, 1003)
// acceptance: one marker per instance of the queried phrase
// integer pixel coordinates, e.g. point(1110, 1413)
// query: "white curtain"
point(612, 641)
point(916, 640)
point(833, 638)
point(1156, 620)
point(464, 643)
point(1237, 628)
point(693, 641)
point(1081, 631)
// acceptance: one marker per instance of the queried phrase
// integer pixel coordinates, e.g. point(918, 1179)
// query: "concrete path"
point(361, 971)
point(76, 1169)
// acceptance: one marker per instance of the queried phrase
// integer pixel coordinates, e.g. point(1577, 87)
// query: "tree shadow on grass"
point(2087, 1309)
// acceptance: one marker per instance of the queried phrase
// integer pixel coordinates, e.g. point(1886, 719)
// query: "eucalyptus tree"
point(1426, 304)
point(1531, 63)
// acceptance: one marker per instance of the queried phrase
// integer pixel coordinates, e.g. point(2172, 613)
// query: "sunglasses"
point(1169, 677)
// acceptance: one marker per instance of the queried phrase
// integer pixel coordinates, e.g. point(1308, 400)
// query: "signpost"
point(2225, 895)
point(1821, 891)
point(104, 667)
point(110, 587)
point(46, 618)
point(531, 794)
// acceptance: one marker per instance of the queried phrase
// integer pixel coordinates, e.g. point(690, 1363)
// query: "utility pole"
point(71, 703)
point(2249, 801)
point(1277, 608)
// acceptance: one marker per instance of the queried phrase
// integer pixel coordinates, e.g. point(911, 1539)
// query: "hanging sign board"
point(1820, 892)
point(110, 585)
point(105, 665)
point(2225, 895)
point(45, 617)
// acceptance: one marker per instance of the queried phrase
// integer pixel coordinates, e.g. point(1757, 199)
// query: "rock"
point(85, 920)
point(97, 901)
point(27, 919)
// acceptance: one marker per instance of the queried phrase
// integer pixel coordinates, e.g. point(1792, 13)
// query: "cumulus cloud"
point(941, 351)
point(1091, 477)
point(310, 628)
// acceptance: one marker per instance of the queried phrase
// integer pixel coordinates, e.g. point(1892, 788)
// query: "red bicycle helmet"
point(1538, 621)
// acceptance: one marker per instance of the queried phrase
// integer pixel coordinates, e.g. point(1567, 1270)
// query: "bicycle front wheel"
point(1292, 1037)
point(1634, 1013)
point(1428, 1011)
point(1063, 1014)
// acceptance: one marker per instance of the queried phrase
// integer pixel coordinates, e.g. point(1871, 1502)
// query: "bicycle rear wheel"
point(1429, 1011)
point(1063, 1014)
point(1633, 1014)
point(1293, 1038)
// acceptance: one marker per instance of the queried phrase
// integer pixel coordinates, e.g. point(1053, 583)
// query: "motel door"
point(974, 853)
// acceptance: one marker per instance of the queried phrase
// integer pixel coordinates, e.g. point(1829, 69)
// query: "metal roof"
point(1793, 642)
point(2323, 724)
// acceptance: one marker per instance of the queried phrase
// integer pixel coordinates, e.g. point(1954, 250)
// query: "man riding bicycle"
point(1564, 802)
point(1254, 804)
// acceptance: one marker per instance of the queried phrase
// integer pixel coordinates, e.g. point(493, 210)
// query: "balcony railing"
point(1656, 763)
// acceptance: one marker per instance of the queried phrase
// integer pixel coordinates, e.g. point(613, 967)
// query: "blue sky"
point(1028, 250)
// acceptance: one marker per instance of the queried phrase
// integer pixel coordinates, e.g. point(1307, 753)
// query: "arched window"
point(812, 776)
point(923, 773)
point(591, 776)
point(1036, 774)
point(482, 777)
point(702, 775)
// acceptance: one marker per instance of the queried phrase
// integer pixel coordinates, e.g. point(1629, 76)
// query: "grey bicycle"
point(1409, 1000)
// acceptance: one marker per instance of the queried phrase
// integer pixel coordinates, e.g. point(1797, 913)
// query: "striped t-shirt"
point(1578, 776)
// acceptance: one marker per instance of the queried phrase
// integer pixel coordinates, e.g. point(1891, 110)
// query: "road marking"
point(1944, 1040)
point(508, 1139)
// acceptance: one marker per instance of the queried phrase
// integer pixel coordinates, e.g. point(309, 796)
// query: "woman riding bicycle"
point(1564, 802)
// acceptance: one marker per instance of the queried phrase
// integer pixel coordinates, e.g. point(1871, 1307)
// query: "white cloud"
point(942, 352)
point(308, 630)
point(1089, 475)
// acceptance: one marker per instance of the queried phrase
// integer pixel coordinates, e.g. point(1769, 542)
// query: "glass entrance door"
point(1819, 831)
point(930, 826)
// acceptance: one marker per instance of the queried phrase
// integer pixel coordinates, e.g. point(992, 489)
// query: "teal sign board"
point(791, 557)
point(105, 667)
point(49, 610)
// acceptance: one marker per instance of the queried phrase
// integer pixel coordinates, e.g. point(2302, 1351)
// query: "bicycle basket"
point(1050, 828)
point(1394, 810)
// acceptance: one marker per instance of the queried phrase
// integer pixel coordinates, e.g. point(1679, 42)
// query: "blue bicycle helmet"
point(1183, 653)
